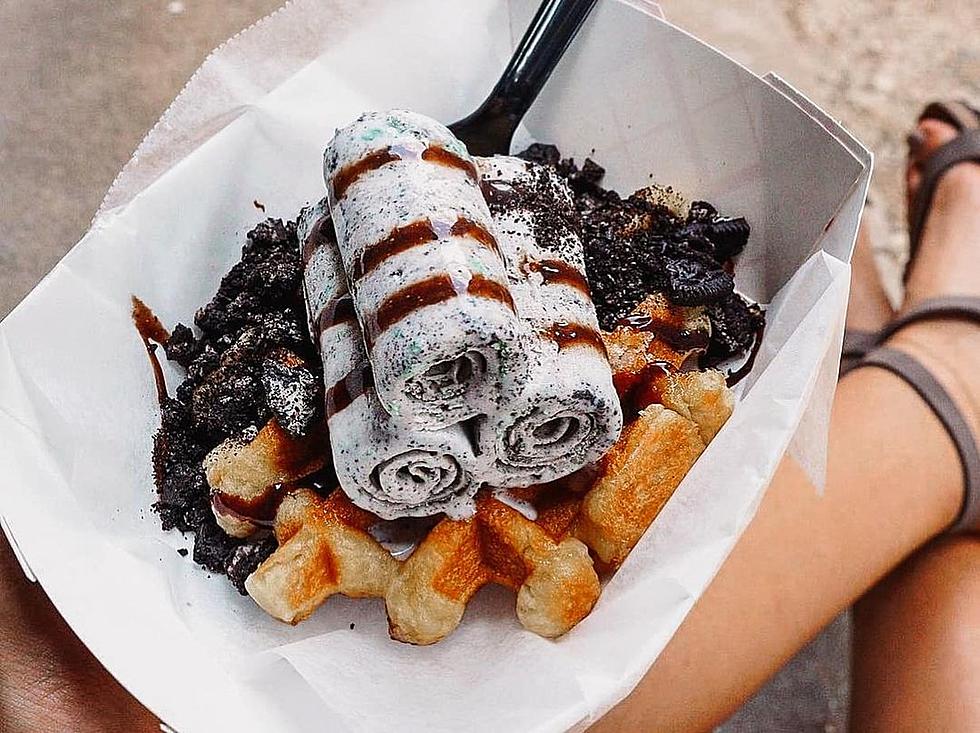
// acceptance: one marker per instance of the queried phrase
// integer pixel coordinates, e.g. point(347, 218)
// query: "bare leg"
point(917, 644)
point(894, 482)
point(917, 634)
point(868, 308)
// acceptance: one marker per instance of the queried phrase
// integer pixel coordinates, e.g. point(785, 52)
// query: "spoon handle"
point(551, 31)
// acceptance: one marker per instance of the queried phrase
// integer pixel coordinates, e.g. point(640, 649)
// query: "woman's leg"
point(917, 644)
point(894, 482)
point(917, 634)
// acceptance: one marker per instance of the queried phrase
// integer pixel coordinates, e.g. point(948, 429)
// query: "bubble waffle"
point(535, 541)
point(240, 473)
point(324, 548)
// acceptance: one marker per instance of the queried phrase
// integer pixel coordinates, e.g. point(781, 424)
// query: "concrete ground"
point(81, 81)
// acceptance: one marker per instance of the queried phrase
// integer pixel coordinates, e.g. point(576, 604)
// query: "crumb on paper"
point(258, 205)
point(182, 552)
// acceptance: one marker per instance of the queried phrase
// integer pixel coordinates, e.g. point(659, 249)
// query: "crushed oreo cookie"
point(253, 359)
point(637, 246)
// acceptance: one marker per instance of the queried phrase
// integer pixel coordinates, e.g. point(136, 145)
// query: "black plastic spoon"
point(489, 130)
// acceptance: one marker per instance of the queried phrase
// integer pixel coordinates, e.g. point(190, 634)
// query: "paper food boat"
point(77, 407)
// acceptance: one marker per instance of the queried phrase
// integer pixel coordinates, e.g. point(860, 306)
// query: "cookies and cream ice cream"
point(424, 268)
point(385, 465)
point(566, 414)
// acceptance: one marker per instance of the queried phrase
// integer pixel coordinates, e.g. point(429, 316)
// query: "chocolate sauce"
point(259, 510)
point(337, 311)
point(482, 287)
point(466, 228)
point(650, 383)
point(322, 233)
point(441, 156)
point(416, 234)
point(736, 376)
point(345, 177)
point(679, 339)
point(151, 330)
point(432, 290)
point(348, 389)
point(568, 335)
point(556, 272)
point(400, 240)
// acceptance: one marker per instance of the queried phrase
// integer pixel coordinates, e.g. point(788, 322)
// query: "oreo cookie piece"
point(212, 547)
point(735, 324)
point(694, 278)
point(243, 560)
point(294, 394)
point(182, 347)
point(729, 236)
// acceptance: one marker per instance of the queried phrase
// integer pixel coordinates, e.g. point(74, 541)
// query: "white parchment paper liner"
point(76, 396)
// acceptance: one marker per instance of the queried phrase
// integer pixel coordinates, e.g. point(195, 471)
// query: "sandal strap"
point(935, 396)
point(964, 147)
point(855, 347)
point(959, 307)
point(958, 114)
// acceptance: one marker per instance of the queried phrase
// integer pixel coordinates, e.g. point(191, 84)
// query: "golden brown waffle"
point(324, 548)
point(591, 519)
point(242, 473)
point(555, 581)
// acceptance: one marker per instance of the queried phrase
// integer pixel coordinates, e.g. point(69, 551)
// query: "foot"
point(946, 264)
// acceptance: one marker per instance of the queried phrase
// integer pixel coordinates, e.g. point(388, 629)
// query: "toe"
point(927, 137)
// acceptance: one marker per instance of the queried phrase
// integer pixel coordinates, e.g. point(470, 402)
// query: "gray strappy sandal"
point(964, 147)
point(936, 397)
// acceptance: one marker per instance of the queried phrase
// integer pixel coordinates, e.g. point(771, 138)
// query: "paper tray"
point(77, 409)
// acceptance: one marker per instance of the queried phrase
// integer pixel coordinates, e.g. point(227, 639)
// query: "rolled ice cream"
point(566, 414)
point(425, 272)
point(384, 464)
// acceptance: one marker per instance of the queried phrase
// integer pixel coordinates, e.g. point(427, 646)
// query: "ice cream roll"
point(424, 268)
point(384, 464)
point(567, 413)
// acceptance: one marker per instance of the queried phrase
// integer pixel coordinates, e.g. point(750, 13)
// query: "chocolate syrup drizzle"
point(417, 233)
point(568, 335)
point(678, 339)
point(440, 156)
point(259, 510)
point(321, 234)
point(151, 332)
point(346, 176)
point(736, 376)
point(433, 290)
point(337, 311)
point(348, 389)
point(557, 272)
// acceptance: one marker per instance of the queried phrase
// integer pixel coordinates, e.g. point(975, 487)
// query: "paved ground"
point(83, 80)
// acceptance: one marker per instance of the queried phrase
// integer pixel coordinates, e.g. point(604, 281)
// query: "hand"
point(49, 681)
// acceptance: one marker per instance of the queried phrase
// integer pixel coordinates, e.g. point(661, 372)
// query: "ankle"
point(950, 350)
